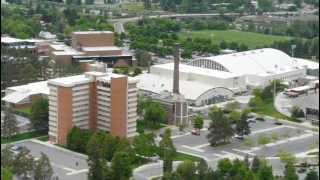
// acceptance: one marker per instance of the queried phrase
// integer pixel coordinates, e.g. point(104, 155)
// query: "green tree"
point(242, 126)
point(7, 159)
point(265, 5)
point(232, 106)
point(255, 166)
point(167, 151)
point(143, 58)
point(265, 172)
point(202, 169)
point(312, 175)
point(220, 130)
point(42, 168)
point(255, 102)
point(290, 172)
point(224, 166)
point(286, 157)
point(235, 116)
point(296, 112)
point(9, 126)
point(40, 114)
point(96, 153)
point(77, 139)
point(155, 113)
point(6, 174)
point(198, 122)
point(30, 73)
point(144, 145)
point(215, 113)
point(187, 170)
point(23, 163)
point(120, 166)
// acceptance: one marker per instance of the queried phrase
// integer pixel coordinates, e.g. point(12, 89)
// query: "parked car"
point(278, 123)
point(239, 137)
point(195, 132)
point(251, 120)
point(260, 119)
point(15, 149)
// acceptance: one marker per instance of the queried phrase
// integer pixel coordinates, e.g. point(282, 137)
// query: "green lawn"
point(43, 138)
point(184, 157)
point(268, 109)
point(23, 136)
point(25, 110)
point(256, 39)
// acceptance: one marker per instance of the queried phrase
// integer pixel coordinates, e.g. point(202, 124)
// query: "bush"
point(263, 139)
point(296, 112)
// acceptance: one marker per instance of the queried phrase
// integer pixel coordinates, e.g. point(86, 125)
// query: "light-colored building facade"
point(95, 101)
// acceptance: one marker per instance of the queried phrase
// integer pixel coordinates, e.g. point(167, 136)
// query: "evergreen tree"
point(167, 151)
point(242, 126)
point(96, 161)
point(9, 126)
point(202, 170)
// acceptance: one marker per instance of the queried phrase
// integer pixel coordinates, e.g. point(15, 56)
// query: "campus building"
point(210, 80)
point(94, 100)
point(87, 47)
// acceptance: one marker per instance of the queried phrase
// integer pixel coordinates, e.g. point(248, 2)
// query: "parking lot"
point(285, 137)
point(63, 161)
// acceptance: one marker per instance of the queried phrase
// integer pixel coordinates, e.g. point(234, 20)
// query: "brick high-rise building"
point(96, 101)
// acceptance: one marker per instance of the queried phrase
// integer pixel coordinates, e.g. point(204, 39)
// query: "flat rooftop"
point(101, 48)
point(93, 32)
point(70, 81)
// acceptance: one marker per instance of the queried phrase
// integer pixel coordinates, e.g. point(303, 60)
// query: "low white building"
point(199, 86)
point(259, 66)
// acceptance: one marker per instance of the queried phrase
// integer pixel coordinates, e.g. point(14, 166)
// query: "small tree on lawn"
point(9, 126)
point(40, 114)
point(198, 122)
point(43, 169)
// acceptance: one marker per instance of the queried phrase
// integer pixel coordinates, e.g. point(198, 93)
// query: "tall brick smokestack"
point(176, 56)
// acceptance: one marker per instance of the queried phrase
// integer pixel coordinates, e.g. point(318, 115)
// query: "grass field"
point(24, 110)
point(268, 109)
point(184, 157)
point(256, 39)
point(23, 136)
